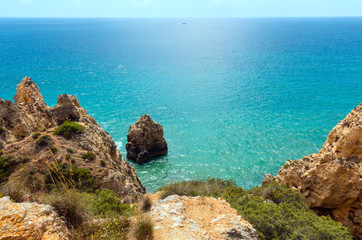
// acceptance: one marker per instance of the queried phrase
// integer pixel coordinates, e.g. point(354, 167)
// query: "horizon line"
point(62, 17)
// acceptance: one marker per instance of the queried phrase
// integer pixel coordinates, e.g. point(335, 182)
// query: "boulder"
point(30, 221)
point(67, 109)
point(331, 180)
point(186, 218)
point(145, 140)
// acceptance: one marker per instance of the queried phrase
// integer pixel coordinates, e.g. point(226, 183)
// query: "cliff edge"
point(27, 132)
point(331, 180)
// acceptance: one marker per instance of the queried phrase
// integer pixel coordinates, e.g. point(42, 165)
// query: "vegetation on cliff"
point(274, 210)
point(68, 129)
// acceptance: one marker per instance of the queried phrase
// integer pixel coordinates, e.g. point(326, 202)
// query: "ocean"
point(236, 97)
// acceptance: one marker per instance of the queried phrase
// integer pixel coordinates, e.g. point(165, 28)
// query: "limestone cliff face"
point(30, 114)
point(30, 221)
point(331, 180)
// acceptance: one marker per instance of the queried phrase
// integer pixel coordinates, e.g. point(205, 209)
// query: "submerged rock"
point(186, 218)
point(331, 180)
point(145, 140)
point(30, 119)
point(30, 221)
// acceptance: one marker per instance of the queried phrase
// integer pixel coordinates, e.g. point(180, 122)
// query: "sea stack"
point(145, 140)
point(331, 180)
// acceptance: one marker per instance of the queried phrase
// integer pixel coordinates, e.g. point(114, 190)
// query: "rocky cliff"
point(331, 180)
point(29, 119)
point(186, 218)
point(30, 221)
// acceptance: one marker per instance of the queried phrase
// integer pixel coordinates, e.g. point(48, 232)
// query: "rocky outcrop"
point(145, 140)
point(186, 218)
point(30, 114)
point(30, 221)
point(331, 180)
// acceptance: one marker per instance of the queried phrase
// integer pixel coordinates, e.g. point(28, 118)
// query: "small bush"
point(71, 205)
point(80, 177)
point(70, 150)
point(108, 204)
point(1, 152)
point(44, 141)
point(110, 228)
point(146, 204)
point(286, 216)
point(144, 229)
point(21, 136)
point(103, 163)
point(211, 187)
point(2, 130)
point(8, 164)
point(68, 129)
point(15, 190)
point(53, 149)
point(88, 156)
point(36, 135)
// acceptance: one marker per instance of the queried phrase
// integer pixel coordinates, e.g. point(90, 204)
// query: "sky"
point(180, 8)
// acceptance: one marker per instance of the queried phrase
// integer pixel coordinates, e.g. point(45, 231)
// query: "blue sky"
point(179, 8)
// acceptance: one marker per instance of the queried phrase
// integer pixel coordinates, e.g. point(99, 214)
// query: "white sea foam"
point(119, 144)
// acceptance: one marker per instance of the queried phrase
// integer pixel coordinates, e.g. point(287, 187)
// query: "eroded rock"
point(30, 221)
point(178, 217)
point(30, 114)
point(145, 140)
point(331, 180)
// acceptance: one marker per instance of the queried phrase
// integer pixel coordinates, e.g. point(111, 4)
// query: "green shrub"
point(210, 187)
point(68, 129)
point(2, 129)
point(71, 205)
point(88, 156)
point(1, 152)
point(53, 149)
point(70, 150)
point(15, 189)
point(106, 203)
point(36, 135)
point(144, 229)
point(21, 136)
point(146, 204)
point(110, 228)
point(44, 141)
point(8, 164)
point(80, 177)
point(103, 163)
point(275, 211)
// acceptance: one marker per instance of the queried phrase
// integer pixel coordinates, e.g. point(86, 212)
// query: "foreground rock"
point(30, 119)
point(187, 218)
point(331, 180)
point(145, 140)
point(30, 221)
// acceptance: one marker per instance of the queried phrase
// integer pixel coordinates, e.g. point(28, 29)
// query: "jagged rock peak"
point(28, 92)
point(145, 140)
point(331, 180)
point(67, 109)
point(30, 115)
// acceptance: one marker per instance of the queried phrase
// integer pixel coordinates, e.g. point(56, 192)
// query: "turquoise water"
point(236, 97)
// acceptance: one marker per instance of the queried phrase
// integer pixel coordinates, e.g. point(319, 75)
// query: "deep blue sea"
point(236, 97)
